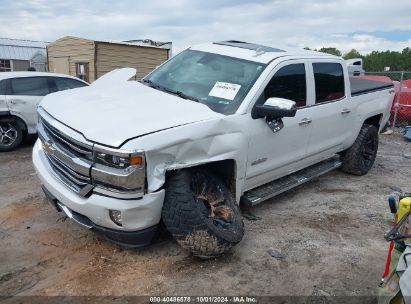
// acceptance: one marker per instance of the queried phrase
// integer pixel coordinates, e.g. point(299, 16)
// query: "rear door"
point(331, 112)
point(24, 95)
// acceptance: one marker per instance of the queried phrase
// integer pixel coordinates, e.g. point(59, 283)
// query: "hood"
point(113, 113)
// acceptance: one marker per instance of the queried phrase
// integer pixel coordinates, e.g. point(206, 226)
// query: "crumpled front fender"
point(192, 145)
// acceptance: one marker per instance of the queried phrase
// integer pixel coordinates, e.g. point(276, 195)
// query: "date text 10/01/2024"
point(203, 299)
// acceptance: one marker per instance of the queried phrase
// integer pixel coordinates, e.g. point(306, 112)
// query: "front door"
point(270, 154)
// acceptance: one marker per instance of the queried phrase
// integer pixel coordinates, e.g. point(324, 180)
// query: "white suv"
point(20, 94)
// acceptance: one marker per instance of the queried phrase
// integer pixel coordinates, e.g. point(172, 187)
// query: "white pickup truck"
point(217, 124)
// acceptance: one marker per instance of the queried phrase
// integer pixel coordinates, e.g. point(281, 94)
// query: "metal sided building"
point(90, 59)
point(20, 55)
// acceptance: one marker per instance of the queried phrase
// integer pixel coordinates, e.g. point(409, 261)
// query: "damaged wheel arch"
point(226, 170)
point(201, 213)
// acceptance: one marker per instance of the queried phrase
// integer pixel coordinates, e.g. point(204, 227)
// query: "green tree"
point(406, 57)
point(376, 61)
point(352, 54)
point(330, 50)
point(307, 48)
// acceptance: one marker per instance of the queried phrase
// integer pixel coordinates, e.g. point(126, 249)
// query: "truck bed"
point(361, 86)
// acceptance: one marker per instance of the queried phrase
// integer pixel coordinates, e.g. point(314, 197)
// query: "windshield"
point(220, 82)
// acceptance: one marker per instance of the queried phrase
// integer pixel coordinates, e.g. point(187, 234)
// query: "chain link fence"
point(401, 104)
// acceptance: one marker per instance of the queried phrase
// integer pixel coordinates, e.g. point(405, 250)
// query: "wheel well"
point(224, 169)
point(374, 121)
point(18, 120)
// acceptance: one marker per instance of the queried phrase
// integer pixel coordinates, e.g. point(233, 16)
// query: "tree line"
point(376, 60)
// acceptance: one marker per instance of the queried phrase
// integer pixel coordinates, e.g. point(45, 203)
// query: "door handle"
point(17, 101)
point(345, 111)
point(305, 121)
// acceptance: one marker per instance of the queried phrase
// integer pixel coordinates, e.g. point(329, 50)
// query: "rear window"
point(30, 86)
point(67, 83)
point(329, 81)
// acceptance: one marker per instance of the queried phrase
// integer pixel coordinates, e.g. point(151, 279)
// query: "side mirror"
point(275, 107)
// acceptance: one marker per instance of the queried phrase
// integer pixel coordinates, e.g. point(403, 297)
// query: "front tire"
point(11, 136)
point(201, 214)
point(360, 157)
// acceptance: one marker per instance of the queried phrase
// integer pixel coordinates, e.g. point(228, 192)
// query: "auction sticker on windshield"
point(225, 90)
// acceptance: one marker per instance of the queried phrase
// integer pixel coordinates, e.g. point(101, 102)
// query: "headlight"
point(119, 161)
point(119, 173)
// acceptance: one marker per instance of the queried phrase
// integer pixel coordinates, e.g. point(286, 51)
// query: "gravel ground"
point(329, 231)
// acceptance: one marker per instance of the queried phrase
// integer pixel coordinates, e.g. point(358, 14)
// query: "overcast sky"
point(365, 25)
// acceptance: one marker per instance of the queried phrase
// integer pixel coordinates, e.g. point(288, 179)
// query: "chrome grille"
point(78, 183)
point(69, 144)
point(69, 159)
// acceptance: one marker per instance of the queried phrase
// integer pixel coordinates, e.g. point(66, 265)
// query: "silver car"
point(20, 94)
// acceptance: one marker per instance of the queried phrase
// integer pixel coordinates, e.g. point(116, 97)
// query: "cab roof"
point(256, 52)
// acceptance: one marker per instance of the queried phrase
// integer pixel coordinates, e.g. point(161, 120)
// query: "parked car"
point(355, 66)
point(218, 123)
point(20, 94)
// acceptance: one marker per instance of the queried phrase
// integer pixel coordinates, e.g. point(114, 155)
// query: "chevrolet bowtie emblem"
point(48, 148)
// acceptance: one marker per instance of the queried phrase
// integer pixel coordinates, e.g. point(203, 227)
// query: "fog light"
point(115, 216)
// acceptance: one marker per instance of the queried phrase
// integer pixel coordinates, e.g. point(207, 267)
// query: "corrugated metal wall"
point(64, 53)
point(113, 56)
point(16, 49)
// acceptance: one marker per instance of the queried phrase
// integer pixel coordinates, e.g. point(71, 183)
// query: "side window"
point(288, 82)
point(329, 81)
point(67, 83)
point(29, 86)
point(3, 87)
point(76, 84)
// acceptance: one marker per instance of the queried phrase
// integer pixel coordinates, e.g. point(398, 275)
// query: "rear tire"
point(11, 135)
point(360, 157)
point(201, 214)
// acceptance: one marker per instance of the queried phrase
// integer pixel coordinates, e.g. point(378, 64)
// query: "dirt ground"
point(330, 231)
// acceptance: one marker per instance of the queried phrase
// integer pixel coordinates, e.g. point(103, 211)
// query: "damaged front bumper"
point(140, 217)
point(124, 238)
